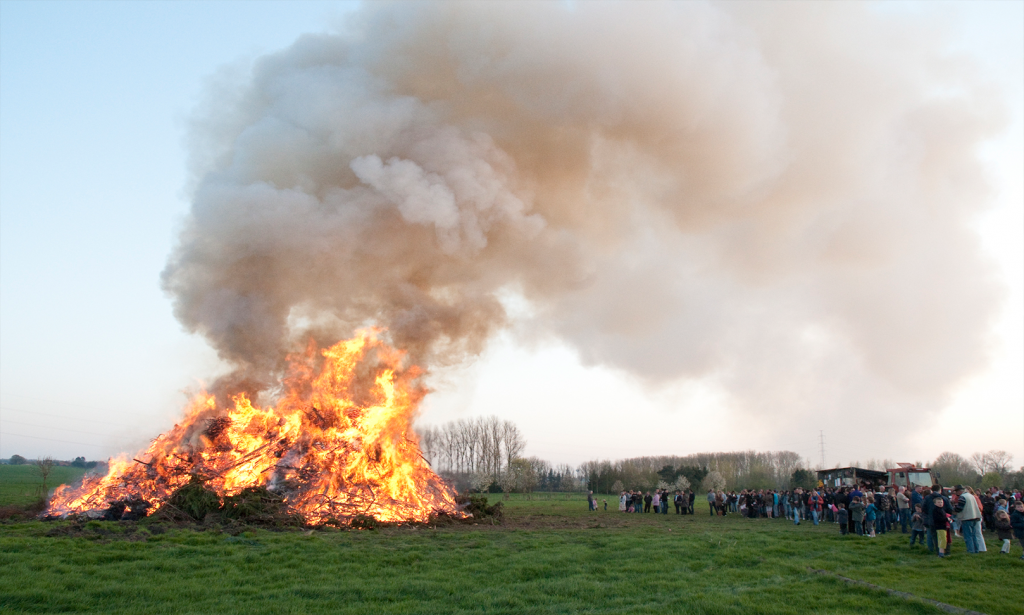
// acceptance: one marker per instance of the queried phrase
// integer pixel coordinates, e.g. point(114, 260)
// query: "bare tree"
point(512, 440)
point(1000, 462)
point(979, 462)
point(467, 447)
point(45, 468)
point(951, 468)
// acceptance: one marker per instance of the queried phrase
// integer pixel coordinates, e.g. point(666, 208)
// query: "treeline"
point(483, 454)
point(735, 470)
point(991, 469)
point(77, 462)
point(472, 446)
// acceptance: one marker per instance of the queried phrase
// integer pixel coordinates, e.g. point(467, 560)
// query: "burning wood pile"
point(336, 446)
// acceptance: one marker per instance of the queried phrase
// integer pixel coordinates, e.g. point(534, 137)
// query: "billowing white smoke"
point(775, 196)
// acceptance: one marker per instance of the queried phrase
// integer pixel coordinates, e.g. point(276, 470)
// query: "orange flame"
point(338, 444)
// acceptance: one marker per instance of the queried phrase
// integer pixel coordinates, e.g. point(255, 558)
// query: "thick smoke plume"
point(776, 197)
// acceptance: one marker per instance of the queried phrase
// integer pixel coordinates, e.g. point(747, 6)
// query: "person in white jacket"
point(968, 511)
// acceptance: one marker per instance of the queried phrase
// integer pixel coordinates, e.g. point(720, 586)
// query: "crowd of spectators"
point(932, 516)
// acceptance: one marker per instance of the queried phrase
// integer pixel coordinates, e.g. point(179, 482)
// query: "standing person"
point(814, 503)
point(664, 502)
point(690, 500)
point(1017, 522)
point(656, 501)
point(591, 501)
point(903, 505)
point(917, 526)
point(678, 501)
point(647, 502)
point(894, 516)
point(988, 508)
point(917, 497)
point(794, 502)
point(842, 515)
point(968, 512)
point(856, 493)
point(1004, 529)
point(857, 514)
point(870, 516)
point(711, 501)
point(941, 524)
point(622, 502)
point(882, 504)
point(930, 498)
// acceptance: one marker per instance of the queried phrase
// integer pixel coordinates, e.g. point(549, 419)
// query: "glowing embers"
point(337, 444)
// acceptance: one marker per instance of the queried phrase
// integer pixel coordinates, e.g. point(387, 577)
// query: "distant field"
point(22, 485)
point(551, 556)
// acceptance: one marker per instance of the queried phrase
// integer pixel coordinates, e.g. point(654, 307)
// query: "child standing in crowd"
point(1004, 529)
point(941, 524)
point(857, 513)
point(917, 526)
point(843, 517)
point(870, 516)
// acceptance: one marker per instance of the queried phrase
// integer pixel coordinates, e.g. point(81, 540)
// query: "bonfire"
point(336, 445)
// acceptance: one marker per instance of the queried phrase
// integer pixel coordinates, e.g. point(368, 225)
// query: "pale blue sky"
point(94, 99)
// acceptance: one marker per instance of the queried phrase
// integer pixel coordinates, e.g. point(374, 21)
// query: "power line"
point(88, 433)
point(60, 416)
point(50, 401)
point(21, 435)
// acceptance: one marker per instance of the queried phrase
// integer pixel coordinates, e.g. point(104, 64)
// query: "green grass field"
point(22, 485)
point(550, 556)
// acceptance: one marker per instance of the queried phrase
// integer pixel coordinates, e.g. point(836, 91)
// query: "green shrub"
point(195, 500)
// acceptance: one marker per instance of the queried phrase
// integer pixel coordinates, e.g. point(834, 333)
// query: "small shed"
point(848, 477)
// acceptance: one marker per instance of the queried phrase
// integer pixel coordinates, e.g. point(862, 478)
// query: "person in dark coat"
point(1001, 520)
point(1017, 523)
point(940, 523)
point(929, 504)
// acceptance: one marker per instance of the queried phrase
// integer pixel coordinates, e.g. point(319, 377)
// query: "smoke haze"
point(774, 197)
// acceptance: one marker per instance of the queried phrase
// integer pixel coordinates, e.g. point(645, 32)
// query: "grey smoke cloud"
point(774, 196)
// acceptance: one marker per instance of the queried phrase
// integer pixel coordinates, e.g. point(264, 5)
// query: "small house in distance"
point(848, 477)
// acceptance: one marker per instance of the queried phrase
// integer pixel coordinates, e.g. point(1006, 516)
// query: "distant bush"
point(476, 505)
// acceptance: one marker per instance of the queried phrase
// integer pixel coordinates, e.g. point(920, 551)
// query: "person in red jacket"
point(814, 502)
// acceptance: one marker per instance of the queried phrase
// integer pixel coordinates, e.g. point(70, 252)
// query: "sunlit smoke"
point(776, 197)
